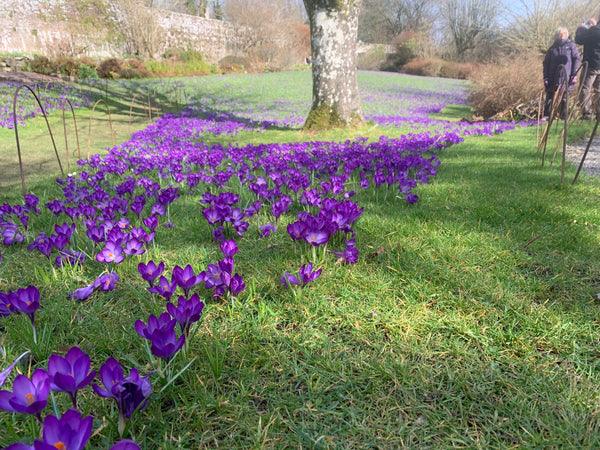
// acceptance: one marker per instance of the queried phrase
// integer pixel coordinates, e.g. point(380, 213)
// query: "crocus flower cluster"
point(70, 374)
point(105, 282)
point(130, 393)
point(71, 431)
point(53, 97)
point(117, 200)
point(161, 331)
point(306, 275)
point(221, 212)
point(14, 220)
point(22, 301)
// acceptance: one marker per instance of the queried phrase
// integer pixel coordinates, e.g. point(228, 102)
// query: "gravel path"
point(592, 159)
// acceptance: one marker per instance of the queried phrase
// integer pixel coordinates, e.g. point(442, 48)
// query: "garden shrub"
point(67, 66)
point(134, 68)
point(500, 88)
point(372, 59)
point(435, 67)
point(235, 64)
point(41, 64)
point(86, 72)
point(128, 73)
point(178, 62)
point(457, 70)
point(109, 68)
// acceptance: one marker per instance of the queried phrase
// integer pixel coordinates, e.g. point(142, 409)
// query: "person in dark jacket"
point(588, 35)
point(563, 52)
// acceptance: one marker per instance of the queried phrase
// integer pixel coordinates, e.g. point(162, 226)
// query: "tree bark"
point(333, 35)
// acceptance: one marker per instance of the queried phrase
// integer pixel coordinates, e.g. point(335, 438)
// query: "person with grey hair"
point(562, 52)
point(588, 35)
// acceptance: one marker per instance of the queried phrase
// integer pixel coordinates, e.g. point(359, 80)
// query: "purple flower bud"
point(82, 293)
point(229, 248)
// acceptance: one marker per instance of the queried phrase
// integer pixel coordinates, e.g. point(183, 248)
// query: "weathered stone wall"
point(214, 38)
point(25, 28)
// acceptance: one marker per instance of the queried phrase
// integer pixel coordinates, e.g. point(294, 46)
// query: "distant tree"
point(268, 30)
point(217, 9)
point(142, 34)
point(373, 25)
point(335, 96)
point(530, 24)
point(467, 22)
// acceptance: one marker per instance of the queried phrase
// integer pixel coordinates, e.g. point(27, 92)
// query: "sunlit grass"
point(469, 320)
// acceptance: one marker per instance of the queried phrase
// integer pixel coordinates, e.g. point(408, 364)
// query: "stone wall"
point(213, 38)
point(25, 28)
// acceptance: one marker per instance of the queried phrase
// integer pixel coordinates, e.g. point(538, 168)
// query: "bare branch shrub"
point(141, 31)
point(534, 24)
point(500, 89)
point(270, 31)
point(436, 67)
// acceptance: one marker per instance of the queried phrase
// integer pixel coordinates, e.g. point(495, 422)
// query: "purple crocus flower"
point(26, 301)
point(65, 229)
point(164, 288)
point(158, 208)
point(187, 311)
point(70, 432)
point(11, 234)
point(297, 230)
point(348, 256)
point(70, 373)
point(185, 278)
point(96, 233)
point(316, 237)
point(281, 206)
point(212, 276)
point(28, 396)
point(229, 247)
point(106, 282)
point(126, 444)
point(111, 253)
point(42, 244)
point(412, 198)
point(134, 247)
point(130, 393)
point(82, 293)
point(151, 222)
point(69, 257)
point(151, 271)
point(59, 241)
point(288, 279)
point(236, 285)
point(267, 229)
point(307, 275)
point(161, 334)
point(6, 304)
point(212, 215)
point(31, 203)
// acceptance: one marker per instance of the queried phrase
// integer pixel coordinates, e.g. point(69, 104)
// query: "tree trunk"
point(333, 34)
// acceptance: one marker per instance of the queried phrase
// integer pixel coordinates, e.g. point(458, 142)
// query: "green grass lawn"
point(470, 320)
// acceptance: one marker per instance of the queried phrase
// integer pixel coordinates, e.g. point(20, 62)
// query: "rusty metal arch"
point(17, 132)
point(76, 133)
point(90, 125)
